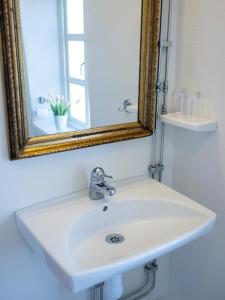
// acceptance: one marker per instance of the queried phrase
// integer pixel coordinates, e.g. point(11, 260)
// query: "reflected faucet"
point(98, 185)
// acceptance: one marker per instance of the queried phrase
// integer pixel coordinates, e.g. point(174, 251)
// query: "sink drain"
point(114, 238)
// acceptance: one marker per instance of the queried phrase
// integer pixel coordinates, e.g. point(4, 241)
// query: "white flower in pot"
point(60, 109)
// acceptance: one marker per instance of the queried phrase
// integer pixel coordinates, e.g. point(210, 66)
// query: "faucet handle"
point(98, 175)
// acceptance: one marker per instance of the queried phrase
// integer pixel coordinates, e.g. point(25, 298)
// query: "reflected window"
point(76, 59)
point(77, 95)
point(76, 88)
point(75, 16)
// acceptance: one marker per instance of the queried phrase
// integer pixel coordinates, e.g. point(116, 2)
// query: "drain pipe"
point(149, 285)
point(155, 169)
point(150, 271)
point(165, 89)
point(98, 291)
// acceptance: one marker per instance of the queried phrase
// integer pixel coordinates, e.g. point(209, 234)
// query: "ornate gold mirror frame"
point(21, 145)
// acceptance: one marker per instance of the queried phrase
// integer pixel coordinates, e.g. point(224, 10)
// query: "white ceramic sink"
point(72, 231)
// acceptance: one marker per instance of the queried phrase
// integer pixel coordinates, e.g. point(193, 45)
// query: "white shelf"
point(199, 124)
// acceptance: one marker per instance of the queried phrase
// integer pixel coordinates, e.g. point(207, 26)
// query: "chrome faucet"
point(98, 185)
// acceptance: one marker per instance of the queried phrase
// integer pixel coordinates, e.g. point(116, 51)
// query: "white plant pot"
point(61, 123)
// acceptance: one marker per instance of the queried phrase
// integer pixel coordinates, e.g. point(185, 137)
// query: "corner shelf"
point(199, 124)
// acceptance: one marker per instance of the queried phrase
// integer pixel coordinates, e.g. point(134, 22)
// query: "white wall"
point(198, 270)
point(113, 54)
point(23, 275)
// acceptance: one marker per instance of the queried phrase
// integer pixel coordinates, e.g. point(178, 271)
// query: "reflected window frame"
point(67, 80)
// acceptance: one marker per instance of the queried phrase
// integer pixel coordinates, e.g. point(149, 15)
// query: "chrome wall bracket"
point(156, 170)
point(165, 44)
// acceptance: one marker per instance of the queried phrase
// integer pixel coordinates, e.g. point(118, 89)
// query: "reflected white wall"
point(113, 52)
point(41, 42)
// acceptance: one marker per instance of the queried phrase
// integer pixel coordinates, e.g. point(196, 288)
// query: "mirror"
point(80, 65)
point(79, 72)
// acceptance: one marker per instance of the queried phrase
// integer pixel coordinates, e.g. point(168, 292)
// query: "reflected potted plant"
point(60, 109)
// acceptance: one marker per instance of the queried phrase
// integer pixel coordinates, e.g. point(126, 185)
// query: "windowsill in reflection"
point(45, 126)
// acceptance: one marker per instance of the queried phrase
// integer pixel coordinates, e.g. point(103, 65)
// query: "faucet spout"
point(105, 188)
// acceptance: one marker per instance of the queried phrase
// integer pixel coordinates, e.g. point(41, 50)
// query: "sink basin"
point(86, 242)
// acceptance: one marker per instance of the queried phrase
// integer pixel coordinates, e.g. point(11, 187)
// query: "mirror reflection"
point(81, 62)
